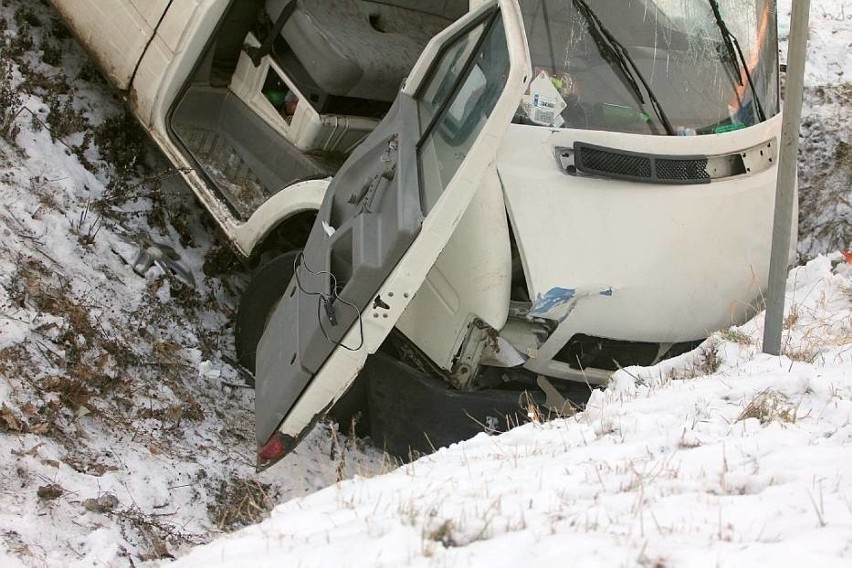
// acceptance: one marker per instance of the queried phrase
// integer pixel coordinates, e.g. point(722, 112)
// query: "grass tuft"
point(240, 503)
point(769, 406)
point(736, 336)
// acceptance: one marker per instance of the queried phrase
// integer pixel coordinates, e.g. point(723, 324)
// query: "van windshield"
point(663, 67)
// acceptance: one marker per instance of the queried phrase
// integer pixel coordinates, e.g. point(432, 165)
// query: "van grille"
point(691, 169)
point(620, 164)
point(601, 161)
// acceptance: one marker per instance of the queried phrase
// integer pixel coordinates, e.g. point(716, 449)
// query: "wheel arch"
point(282, 216)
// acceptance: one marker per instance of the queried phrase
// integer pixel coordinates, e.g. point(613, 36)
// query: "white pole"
point(797, 48)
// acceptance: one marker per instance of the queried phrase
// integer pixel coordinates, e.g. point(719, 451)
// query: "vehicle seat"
point(362, 48)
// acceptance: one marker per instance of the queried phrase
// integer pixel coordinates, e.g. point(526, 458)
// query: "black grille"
point(620, 164)
point(684, 170)
point(615, 163)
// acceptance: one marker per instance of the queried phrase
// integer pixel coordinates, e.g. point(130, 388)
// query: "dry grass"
point(12, 359)
point(707, 361)
point(710, 359)
point(792, 317)
point(802, 353)
point(240, 503)
point(736, 336)
point(770, 406)
point(826, 175)
point(10, 101)
point(154, 530)
point(13, 542)
point(88, 367)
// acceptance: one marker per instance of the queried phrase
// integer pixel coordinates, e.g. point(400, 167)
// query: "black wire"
point(327, 300)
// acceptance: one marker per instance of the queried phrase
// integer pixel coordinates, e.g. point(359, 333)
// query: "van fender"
point(296, 198)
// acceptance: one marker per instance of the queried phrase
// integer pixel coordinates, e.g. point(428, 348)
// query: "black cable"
point(258, 53)
point(326, 302)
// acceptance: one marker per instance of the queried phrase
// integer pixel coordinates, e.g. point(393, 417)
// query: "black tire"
point(259, 297)
point(413, 413)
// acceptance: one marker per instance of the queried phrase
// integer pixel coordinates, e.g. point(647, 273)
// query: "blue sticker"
point(552, 299)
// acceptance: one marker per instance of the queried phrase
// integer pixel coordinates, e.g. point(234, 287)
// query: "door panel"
point(114, 32)
point(387, 215)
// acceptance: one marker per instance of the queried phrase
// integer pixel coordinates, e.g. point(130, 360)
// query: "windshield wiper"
point(619, 55)
point(736, 57)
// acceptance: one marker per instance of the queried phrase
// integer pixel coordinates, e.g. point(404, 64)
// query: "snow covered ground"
point(721, 457)
point(825, 164)
point(125, 435)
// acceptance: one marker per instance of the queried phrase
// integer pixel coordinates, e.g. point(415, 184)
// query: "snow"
point(829, 40)
point(124, 430)
point(668, 466)
point(125, 433)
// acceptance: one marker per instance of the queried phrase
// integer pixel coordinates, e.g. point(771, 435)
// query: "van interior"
point(285, 89)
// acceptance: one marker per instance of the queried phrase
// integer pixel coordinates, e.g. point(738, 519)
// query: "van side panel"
point(171, 55)
point(151, 10)
point(114, 32)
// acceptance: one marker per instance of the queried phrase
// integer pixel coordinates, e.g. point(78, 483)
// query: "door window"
point(455, 103)
point(445, 74)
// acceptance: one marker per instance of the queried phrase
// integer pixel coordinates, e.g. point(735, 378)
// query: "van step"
point(237, 182)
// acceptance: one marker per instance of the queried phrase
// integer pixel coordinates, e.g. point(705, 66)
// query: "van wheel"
point(414, 411)
point(259, 299)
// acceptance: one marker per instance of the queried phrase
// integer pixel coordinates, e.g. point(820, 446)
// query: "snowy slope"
point(125, 434)
point(825, 151)
point(723, 457)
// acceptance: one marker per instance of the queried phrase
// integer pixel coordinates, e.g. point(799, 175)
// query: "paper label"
point(544, 104)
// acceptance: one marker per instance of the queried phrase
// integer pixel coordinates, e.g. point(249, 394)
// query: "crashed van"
point(461, 210)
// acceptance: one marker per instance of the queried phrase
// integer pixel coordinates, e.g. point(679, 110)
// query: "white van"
point(465, 205)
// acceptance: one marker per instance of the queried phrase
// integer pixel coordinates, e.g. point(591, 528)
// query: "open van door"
point(385, 218)
point(115, 32)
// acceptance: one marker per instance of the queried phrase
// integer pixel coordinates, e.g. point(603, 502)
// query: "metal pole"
point(797, 49)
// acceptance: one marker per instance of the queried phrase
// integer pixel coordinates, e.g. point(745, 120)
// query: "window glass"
point(478, 80)
point(443, 77)
point(600, 64)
